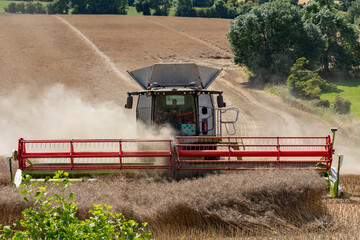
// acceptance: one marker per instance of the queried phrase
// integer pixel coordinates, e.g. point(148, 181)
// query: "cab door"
point(144, 109)
point(206, 113)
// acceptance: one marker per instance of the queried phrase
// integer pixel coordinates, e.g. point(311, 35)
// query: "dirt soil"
point(90, 56)
point(40, 51)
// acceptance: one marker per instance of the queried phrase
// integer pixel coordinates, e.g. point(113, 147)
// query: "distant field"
point(303, 1)
point(132, 11)
point(349, 89)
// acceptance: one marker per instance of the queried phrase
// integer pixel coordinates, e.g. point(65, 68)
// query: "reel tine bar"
point(94, 154)
point(248, 153)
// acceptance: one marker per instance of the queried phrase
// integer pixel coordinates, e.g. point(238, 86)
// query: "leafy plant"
point(342, 105)
point(184, 8)
point(45, 221)
point(323, 103)
point(306, 83)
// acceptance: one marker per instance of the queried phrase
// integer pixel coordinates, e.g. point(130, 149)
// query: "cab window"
point(178, 111)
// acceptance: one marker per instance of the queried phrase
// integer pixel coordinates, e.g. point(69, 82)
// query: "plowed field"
point(87, 56)
point(90, 54)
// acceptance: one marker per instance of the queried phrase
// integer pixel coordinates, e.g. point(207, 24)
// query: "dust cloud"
point(57, 112)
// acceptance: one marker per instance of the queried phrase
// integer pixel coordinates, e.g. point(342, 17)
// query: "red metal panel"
point(287, 152)
point(232, 138)
point(150, 153)
point(252, 161)
point(46, 157)
point(92, 140)
point(244, 169)
point(244, 153)
point(303, 150)
point(90, 167)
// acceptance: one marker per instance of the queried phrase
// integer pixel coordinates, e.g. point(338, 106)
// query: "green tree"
point(30, 8)
point(143, 6)
point(161, 7)
point(59, 7)
point(203, 3)
point(222, 10)
point(244, 8)
point(11, 8)
point(270, 38)
point(80, 6)
point(21, 7)
point(50, 8)
point(123, 7)
point(342, 105)
point(343, 5)
point(341, 49)
point(39, 8)
point(184, 8)
point(305, 83)
point(354, 12)
point(107, 6)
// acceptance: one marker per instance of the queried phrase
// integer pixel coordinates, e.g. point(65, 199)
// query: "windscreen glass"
point(178, 111)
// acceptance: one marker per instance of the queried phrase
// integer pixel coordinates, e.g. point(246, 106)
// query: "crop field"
point(288, 205)
point(65, 77)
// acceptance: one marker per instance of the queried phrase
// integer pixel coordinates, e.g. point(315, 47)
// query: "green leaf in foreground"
point(44, 221)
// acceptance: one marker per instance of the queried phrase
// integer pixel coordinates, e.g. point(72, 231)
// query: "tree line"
point(65, 6)
point(186, 8)
point(271, 37)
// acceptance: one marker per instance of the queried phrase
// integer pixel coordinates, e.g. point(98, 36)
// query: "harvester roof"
point(175, 75)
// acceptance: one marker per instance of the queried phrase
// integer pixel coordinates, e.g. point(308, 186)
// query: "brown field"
point(303, 1)
point(40, 52)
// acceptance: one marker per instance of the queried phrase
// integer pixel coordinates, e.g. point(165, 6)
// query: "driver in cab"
point(173, 112)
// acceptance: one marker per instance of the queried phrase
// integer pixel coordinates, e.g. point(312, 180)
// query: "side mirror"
point(220, 101)
point(129, 102)
point(341, 159)
point(8, 161)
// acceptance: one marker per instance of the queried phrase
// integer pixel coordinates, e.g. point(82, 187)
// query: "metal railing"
point(247, 153)
point(94, 154)
point(221, 122)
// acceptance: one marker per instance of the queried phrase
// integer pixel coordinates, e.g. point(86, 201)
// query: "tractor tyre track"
point(226, 54)
point(104, 57)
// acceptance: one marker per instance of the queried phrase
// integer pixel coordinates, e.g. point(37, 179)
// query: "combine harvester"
point(177, 95)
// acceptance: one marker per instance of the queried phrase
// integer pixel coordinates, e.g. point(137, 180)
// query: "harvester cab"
point(178, 95)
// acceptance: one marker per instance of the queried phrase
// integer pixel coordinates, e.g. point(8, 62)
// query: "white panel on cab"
point(206, 113)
